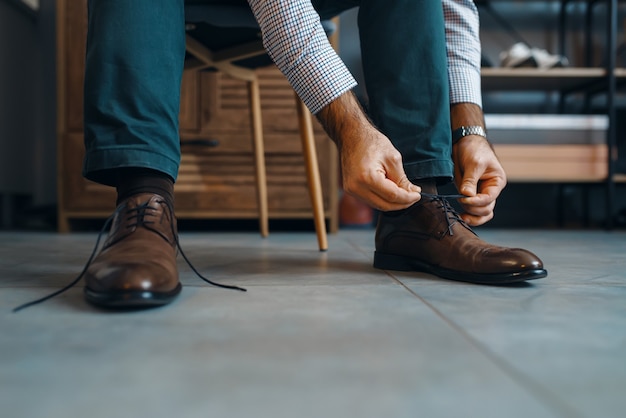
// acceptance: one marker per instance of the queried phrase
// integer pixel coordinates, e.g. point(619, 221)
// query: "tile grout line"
point(535, 389)
point(553, 402)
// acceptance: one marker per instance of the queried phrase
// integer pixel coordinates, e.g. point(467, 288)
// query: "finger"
point(479, 210)
point(479, 200)
point(392, 185)
point(405, 184)
point(394, 197)
point(476, 220)
point(487, 193)
point(383, 194)
point(469, 185)
point(383, 204)
point(394, 171)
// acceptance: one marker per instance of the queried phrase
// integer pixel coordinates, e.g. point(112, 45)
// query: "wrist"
point(467, 130)
point(466, 114)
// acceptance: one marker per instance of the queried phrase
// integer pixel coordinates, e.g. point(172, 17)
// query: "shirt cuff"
point(320, 78)
point(465, 85)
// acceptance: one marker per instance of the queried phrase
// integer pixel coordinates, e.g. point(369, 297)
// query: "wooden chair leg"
point(259, 154)
point(312, 171)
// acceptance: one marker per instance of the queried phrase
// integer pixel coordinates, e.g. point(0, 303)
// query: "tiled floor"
point(318, 334)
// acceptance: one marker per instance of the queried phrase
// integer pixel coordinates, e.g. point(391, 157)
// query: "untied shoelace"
point(140, 213)
point(450, 212)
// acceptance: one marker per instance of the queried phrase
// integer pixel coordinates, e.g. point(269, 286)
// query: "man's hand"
point(371, 166)
point(372, 170)
point(477, 171)
point(478, 174)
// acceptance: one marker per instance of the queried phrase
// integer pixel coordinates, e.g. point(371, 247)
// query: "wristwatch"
point(467, 130)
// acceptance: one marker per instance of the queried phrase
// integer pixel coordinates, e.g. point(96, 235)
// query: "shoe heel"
point(392, 262)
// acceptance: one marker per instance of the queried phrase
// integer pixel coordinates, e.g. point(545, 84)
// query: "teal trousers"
point(134, 64)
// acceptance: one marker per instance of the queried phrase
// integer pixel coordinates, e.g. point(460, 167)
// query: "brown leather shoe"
point(137, 265)
point(431, 237)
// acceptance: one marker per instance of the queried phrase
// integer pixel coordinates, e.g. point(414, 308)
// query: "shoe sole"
point(131, 299)
point(400, 263)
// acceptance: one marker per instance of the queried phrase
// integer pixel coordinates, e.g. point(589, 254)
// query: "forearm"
point(343, 118)
point(371, 166)
point(466, 114)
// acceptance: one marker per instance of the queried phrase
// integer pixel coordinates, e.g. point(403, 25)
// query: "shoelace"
point(138, 213)
point(452, 216)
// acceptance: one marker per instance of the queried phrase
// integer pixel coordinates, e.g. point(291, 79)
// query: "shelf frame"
point(589, 80)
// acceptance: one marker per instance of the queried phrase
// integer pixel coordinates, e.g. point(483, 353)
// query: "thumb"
point(405, 184)
point(396, 173)
point(469, 184)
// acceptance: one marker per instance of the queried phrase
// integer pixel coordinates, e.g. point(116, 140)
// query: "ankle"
point(427, 185)
point(133, 181)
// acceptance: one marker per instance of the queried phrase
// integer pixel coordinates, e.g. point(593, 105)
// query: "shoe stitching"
point(140, 215)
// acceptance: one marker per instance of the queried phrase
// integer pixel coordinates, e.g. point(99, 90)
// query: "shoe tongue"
point(143, 198)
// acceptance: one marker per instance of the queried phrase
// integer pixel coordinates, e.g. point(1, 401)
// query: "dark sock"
point(428, 185)
point(132, 181)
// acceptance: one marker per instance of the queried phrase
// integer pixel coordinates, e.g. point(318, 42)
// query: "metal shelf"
point(568, 80)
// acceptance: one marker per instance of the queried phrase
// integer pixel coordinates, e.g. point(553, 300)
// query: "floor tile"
point(564, 335)
point(276, 351)
point(317, 334)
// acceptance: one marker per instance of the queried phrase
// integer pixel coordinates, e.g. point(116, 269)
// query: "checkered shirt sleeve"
point(296, 41)
point(463, 48)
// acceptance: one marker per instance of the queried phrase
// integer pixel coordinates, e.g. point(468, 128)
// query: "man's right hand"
point(371, 166)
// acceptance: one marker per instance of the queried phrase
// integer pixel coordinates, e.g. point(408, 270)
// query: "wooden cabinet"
point(215, 181)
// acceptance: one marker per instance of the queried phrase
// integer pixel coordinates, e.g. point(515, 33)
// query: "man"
point(394, 162)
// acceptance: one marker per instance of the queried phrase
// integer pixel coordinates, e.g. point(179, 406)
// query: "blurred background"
point(573, 33)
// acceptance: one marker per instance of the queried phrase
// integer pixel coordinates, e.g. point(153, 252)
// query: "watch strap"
point(467, 130)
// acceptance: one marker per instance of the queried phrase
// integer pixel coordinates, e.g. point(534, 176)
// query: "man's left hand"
point(479, 175)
